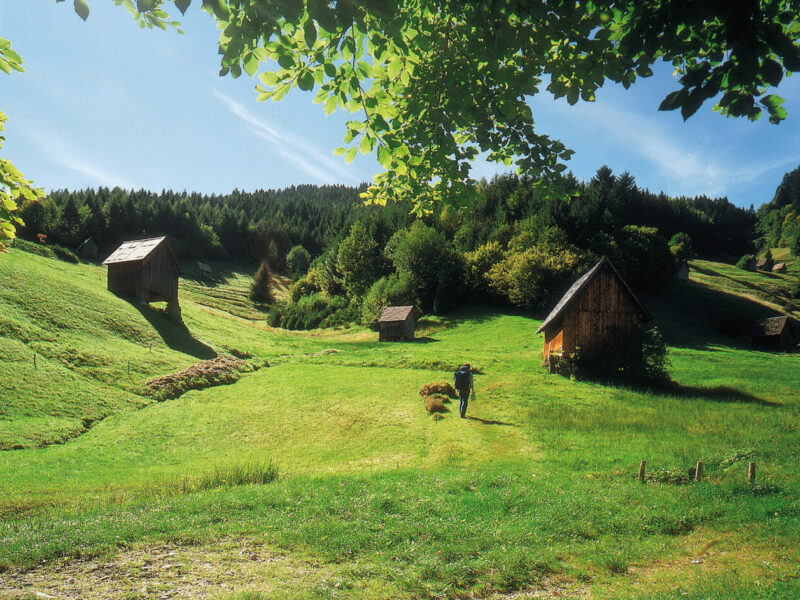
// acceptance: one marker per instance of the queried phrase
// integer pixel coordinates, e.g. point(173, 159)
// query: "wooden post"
point(641, 471)
point(34, 361)
point(698, 471)
point(751, 472)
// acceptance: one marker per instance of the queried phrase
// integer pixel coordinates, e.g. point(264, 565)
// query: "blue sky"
point(105, 103)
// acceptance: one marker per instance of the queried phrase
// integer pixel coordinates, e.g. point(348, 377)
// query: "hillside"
point(537, 491)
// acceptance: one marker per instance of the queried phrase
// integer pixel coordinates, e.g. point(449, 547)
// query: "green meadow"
point(320, 474)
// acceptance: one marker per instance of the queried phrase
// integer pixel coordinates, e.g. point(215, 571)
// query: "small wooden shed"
point(203, 271)
point(773, 334)
point(764, 264)
point(88, 249)
point(599, 308)
point(146, 270)
point(779, 268)
point(397, 323)
point(682, 272)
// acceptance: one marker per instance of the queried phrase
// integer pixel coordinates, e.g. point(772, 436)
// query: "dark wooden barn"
point(203, 271)
point(774, 334)
point(397, 323)
point(598, 310)
point(145, 270)
point(764, 264)
point(88, 249)
point(779, 268)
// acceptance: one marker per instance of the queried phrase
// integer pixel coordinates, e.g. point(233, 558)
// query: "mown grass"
point(539, 484)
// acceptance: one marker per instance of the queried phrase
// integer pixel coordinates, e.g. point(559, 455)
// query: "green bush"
point(298, 260)
point(477, 265)
point(642, 358)
point(315, 310)
point(747, 263)
point(65, 254)
point(33, 248)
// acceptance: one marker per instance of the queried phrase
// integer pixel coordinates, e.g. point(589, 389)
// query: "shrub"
point(298, 260)
point(32, 248)
point(442, 388)
point(477, 265)
point(303, 287)
point(315, 310)
point(65, 254)
point(434, 404)
point(247, 473)
point(261, 288)
point(747, 263)
point(680, 245)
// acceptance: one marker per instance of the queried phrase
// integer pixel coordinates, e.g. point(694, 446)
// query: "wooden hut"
point(764, 264)
point(397, 323)
point(773, 334)
point(598, 310)
point(88, 249)
point(203, 271)
point(682, 272)
point(145, 270)
point(750, 264)
point(779, 268)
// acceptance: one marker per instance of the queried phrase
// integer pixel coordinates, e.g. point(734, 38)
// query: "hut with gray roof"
point(397, 323)
point(598, 310)
point(774, 333)
point(145, 270)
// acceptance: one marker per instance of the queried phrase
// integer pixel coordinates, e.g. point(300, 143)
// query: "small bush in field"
point(443, 388)
point(434, 404)
point(65, 254)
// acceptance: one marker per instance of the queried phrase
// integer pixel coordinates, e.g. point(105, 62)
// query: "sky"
point(104, 103)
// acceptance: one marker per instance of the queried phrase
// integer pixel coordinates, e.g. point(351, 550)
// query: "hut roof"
point(392, 314)
point(85, 242)
point(769, 327)
point(134, 250)
point(779, 267)
point(204, 267)
point(761, 262)
point(583, 281)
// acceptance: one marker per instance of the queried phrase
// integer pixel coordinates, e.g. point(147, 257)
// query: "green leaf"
point(183, 5)
point(268, 78)
point(145, 5)
point(82, 8)
point(310, 33)
point(306, 80)
point(330, 105)
point(340, 151)
point(384, 157)
point(251, 65)
point(351, 154)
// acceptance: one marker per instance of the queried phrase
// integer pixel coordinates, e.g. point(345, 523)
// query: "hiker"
point(463, 382)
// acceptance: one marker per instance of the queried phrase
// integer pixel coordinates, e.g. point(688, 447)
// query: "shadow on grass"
point(426, 339)
point(492, 422)
point(719, 393)
point(175, 333)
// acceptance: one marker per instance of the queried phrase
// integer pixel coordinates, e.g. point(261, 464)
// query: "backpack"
point(462, 379)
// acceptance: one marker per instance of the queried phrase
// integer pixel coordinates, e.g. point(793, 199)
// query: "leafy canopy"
point(436, 82)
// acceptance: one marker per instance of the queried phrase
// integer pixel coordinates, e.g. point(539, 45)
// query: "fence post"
point(751, 472)
point(641, 471)
point(698, 471)
point(34, 362)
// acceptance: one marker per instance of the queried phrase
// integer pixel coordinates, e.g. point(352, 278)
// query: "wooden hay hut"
point(773, 334)
point(88, 249)
point(779, 268)
point(203, 271)
point(682, 272)
point(764, 264)
point(397, 323)
point(146, 270)
point(599, 309)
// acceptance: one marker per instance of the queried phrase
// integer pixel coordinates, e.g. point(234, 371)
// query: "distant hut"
point(88, 249)
point(146, 270)
point(598, 310)
point(764, 264)
point(682, 272)
point(779, 268)
point(749, 264)
point(397, 323)
point(773, 334)
point(203, 271)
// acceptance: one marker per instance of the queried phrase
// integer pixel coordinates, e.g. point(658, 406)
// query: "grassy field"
point(535, 495)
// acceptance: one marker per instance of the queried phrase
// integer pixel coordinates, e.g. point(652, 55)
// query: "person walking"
point(463, 383)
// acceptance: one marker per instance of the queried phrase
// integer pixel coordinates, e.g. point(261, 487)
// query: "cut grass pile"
point(443, 388)
point(435, 403)
point(223, 369)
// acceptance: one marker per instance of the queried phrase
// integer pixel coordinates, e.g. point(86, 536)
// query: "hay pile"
point(435, 403)
point(206, 373)
point(442, 388)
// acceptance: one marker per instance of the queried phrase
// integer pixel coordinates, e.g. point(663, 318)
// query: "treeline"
point(513, 245)
point(779, 219)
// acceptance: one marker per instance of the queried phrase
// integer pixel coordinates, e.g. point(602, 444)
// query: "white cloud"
point(61, 152)
point(686, 167)
point(304, 155)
